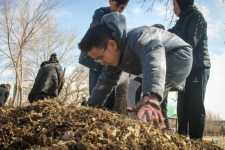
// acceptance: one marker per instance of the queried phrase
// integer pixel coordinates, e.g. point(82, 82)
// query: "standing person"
point(83, 101)
point(95, 68)
point(160, 57)
point(192, 28)
point(4, 93)
point(47, 80)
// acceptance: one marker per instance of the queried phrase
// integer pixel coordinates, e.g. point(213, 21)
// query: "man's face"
point(110, 55)
point(115, 8)
point(176, 8)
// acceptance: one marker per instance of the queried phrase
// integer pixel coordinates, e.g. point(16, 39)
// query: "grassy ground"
point(220, 139)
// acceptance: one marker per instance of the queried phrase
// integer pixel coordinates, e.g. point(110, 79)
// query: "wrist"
point(152, 97)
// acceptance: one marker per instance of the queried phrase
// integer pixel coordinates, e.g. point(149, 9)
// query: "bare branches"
point(20, 23)
point(168, 8)
point(76, 86)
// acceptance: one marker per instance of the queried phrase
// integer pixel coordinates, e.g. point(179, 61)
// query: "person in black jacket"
point(4, 93)
point(47, 80)
point(192, 28)
point(83, 103)
point(95, 68)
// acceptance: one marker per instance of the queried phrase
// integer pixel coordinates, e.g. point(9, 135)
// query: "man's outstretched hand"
point(150, 106)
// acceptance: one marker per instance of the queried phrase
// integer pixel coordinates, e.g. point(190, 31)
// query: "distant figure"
point(83, 101)
point(4, 93)
point(47, 80)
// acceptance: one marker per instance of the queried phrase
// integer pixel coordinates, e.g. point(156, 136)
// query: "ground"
point(220, 139)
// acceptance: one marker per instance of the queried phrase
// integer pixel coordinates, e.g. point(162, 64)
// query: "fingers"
point(161, 120)
point(131, 109)
point(140, 114)
point(149, 116)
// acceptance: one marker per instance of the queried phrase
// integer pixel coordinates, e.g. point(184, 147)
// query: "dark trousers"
point(93, 78)
point(164, 111)
point(190, 106)
point(2, 103)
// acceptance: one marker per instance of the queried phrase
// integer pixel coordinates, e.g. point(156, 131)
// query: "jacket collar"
point(47, 62)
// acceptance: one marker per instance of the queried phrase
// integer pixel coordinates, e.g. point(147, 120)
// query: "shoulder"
point(101, 11)
point(196, 15)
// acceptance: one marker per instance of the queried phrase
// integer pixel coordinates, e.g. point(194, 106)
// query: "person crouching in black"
point(47, 82)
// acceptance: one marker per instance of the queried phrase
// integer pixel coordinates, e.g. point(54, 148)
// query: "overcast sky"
point(77, 15)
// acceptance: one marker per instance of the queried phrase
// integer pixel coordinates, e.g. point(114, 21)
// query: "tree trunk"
point(16, 91)
point(21, 80)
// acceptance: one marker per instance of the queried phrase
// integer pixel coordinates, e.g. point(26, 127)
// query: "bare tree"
point(168, 7)
point(20, 23)
point(50, 39)
point(213, 122)
point(76, 86)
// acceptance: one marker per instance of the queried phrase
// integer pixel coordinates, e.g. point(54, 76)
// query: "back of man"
point(47, 81)
point(4, 93)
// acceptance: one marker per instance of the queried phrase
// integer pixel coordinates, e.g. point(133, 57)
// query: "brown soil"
point(47, 125)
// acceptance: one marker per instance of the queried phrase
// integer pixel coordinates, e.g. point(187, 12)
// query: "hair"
point(121, 2)
point(159, 26)
point(8, 86)
point(53, 58)
point(97, 36)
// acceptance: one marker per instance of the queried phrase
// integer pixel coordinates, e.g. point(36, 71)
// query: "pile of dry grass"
point(120, 103)
point(47, 125)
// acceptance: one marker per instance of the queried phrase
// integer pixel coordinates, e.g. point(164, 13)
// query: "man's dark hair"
point(97, 36)
point(159, 26)
point(121, 2)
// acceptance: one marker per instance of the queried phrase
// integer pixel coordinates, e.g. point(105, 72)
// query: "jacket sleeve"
point(153, 60)
point(97, 17)
point(172, 30)
point(196, 29)
point(59, 72)
point(104, 86)
point(6, 96)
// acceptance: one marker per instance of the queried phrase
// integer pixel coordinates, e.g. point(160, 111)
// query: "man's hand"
point(150, 106)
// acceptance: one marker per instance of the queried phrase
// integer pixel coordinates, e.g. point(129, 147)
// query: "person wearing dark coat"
point(84, 59)
point(84, 101)
point(192, 28)
point(4, 93)
point(47, 80)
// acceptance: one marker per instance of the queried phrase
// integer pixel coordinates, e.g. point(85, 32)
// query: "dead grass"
point(47, 125)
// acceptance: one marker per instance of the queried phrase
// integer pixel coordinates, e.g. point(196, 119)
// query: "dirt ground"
point(220, 139)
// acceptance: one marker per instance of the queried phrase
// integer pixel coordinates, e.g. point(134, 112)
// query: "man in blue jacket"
point(163, 59)
point(95, 68)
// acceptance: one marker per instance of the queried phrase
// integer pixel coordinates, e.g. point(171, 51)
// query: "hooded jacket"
point(84, 59)
point(192, 28)
point(47, 80)
point(143, 50)
point(4, 94)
